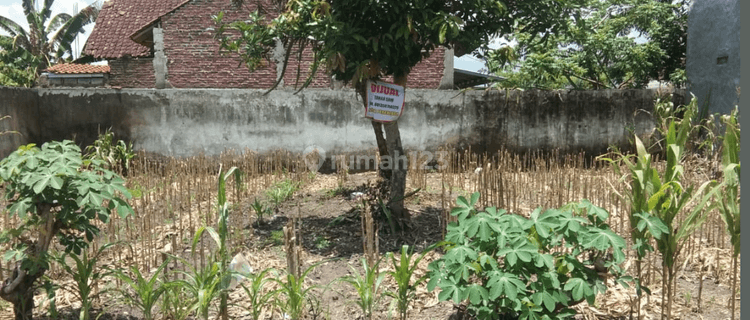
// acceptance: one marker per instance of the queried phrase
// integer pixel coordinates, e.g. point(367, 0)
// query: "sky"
point(13, 10)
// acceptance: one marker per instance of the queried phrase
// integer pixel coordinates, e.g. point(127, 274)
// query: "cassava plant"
point(404, 268)
point(507, 265)
point(53, 192)
point(86, 274)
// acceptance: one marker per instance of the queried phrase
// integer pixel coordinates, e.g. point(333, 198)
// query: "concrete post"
point(160, 59)
point(446, 83)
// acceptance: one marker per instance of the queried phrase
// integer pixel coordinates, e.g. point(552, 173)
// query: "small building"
point(76, 75)
point(171, 44)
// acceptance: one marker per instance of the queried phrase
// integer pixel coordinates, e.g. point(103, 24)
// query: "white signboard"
point(385, 101)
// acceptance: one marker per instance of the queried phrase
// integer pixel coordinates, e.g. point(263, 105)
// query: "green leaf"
point(601, 239)
point(507, 284)
point(652, 224)
point(578, 288)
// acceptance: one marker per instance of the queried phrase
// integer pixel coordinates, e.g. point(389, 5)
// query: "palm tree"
point(47, 40)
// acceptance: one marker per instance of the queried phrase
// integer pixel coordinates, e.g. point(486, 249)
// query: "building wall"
point(713, 53)
point(185, 122)
point(194, 61)
point(132, 73)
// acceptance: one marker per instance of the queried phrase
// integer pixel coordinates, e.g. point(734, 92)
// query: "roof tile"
point(117, 20)
point(74, 68)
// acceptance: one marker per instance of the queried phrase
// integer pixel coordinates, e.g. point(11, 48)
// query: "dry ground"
point(331, 236)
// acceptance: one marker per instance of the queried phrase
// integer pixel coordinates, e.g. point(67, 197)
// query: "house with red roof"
point(75, 75)
point(171, 44)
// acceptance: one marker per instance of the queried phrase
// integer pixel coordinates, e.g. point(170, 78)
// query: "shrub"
point(530, 268)
point(54, 192)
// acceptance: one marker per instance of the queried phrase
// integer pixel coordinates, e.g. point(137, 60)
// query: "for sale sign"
point(385, 101)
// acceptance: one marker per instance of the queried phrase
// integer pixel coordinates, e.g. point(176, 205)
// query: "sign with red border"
point(385, 101)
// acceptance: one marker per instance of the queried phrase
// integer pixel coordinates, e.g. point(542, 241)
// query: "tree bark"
point(18, 289)
point(399, 165)
point(389, 146)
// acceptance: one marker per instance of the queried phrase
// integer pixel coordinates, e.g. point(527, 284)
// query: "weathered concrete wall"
point(21, 105)
point(183, 122)
point(713, 53)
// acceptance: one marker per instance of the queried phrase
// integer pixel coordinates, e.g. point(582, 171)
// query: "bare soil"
point(331, 236)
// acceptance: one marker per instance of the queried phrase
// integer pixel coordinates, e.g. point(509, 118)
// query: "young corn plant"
point(176, 303)
point(260, 210)
point(202, 285)
point(668, 201)
point(86, 274)
point(258, 293)
point(403, 270)
point(145, 292)
point(223, 256)
point(367, 286)
point(728, 192)
point(294, 293)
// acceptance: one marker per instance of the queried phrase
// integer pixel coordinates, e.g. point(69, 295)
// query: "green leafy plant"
point(176, 302)
point(728, 192)
point(367, 286)
point(403, 270)
point(658, 199)
point(260, 209)
point(146, 292)
point(115, 154)
point(257, 292)
point(282, 191)
point(202, 285)
point(222, 256)
point(295, 294)
point(53, 192)
point(86, 274)
point(322, 243)
point(509, 265)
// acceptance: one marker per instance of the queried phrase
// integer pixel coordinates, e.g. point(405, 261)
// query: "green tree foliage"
point(54, 192)
point(359, 40)
point(596, 48)
point(47, 41)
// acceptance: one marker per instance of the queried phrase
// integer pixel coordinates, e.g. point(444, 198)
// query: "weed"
point(687, 296)
point(282, 191)
point(277, 237)
point(322, 243)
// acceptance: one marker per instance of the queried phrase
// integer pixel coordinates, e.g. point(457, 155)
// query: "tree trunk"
point(18, 289)
point(389, 147)
point(399, 165)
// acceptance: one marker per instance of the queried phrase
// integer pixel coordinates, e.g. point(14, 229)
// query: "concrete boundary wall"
point(185, 122)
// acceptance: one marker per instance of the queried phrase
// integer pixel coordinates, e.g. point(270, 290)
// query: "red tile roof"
point(117, 20)
point(70, 68)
